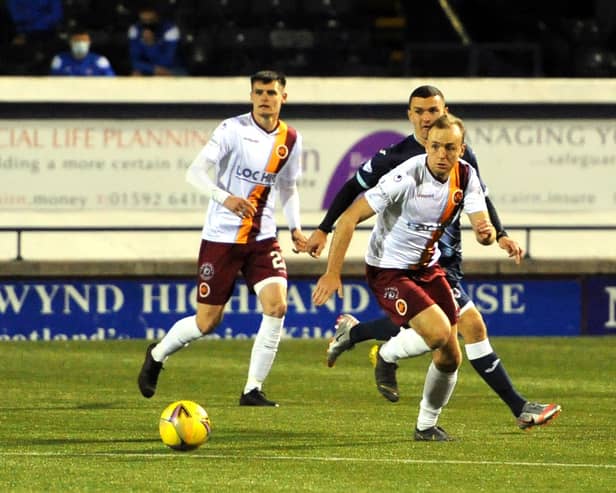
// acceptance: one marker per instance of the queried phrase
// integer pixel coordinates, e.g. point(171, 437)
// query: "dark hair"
point(149, 6)
point(267, 76)
point(426, 92)
point(78, 29)
point(447, 121)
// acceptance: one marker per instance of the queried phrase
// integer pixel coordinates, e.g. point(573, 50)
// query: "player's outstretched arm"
point(494, 218)
point(483, 228)
point(343, 199)
point(331, 281)
point(512, 247)
point(316, 243)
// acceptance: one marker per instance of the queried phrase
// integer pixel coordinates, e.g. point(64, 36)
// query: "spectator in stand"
point(153, 43)
point(34, 19)
point(79, 60)
point(29, 35)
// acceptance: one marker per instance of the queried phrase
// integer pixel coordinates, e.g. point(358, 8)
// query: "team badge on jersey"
point(204, 289)
point(401, 307)
point(282, 151)
point(206, 271)
point(457, 196)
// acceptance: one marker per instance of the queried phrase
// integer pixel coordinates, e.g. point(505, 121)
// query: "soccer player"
point(414, 204)
point(426, 104)
point(254, 155)
point(80, 61)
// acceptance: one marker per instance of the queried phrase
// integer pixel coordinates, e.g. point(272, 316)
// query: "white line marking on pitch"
point(314, 459)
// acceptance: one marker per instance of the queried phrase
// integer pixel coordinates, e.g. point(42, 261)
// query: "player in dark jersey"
point(426, 104)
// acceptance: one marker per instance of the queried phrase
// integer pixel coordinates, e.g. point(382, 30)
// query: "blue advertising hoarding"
point(528, 308)
point(600, 296)
point(146, 308)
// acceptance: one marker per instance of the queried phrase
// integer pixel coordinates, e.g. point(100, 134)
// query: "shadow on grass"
point(228, 442)
point(77, 441)
point(86, 406)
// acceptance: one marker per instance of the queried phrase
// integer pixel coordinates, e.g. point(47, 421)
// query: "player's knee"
point(207, 324)
point(207, 328)
point(449, 366)
point(435, 336)
point(434, 326)
point(439, 335)
point(276, 309)
point(448, 360)
point(472, 327)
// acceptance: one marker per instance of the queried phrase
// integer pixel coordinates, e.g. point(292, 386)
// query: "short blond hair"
point(447, 121)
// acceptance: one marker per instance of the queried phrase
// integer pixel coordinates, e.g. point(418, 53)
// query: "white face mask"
point(80, 49)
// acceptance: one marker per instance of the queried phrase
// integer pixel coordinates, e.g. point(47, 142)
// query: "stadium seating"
point(346, 37)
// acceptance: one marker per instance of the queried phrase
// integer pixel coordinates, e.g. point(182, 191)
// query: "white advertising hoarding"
point(83, 165)
point(547, 165)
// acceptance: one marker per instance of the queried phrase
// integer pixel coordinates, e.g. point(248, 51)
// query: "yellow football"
point(184, 425)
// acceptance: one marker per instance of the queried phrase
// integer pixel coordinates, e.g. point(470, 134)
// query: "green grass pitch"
point(72, 419)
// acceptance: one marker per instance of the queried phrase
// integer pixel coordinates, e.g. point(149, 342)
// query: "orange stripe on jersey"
point(258, 196)
point(454, 199)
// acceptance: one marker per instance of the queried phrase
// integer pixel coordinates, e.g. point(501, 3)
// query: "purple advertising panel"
point(146, 308)
point(600, 303)
point(359, 152)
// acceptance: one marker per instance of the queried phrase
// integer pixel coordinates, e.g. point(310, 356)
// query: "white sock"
point(183, 332)
point(406, 344)
point(263, 351)
point(438, 388)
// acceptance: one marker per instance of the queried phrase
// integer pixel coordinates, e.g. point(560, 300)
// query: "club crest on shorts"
point(204, 289)
point(282, 151)
point(401, 307)
point(206, 271)
point(390, 293)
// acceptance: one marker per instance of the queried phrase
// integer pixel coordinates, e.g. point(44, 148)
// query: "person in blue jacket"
point(153, 44)
point(79, 60)
point(34, 19)
point(30, 36)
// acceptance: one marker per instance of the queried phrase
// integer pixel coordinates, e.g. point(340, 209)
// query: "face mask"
point(80, 49)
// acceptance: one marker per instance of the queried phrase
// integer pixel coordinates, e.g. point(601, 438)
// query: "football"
point(184, 425)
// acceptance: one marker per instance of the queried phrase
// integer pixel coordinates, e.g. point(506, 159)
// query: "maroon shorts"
point(405, 293)
point(220, 263)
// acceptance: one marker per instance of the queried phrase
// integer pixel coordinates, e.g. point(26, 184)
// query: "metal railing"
point(20, 230)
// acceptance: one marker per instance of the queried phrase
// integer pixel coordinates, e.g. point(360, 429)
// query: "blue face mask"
point(80, 49)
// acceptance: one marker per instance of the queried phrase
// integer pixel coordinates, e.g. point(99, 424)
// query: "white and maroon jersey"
point(414, 208)
point(250, 163)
